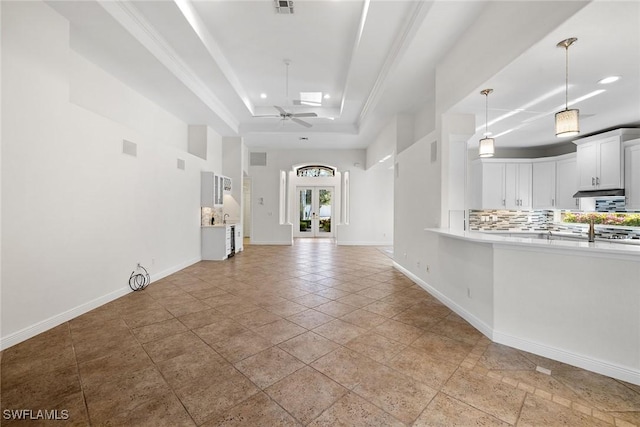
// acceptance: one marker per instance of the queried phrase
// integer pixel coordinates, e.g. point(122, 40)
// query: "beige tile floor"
point(311, 334)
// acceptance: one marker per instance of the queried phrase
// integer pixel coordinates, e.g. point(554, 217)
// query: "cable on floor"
point(139, 281)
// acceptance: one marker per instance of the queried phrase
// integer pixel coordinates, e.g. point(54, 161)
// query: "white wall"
point(371, 207)
point(232, 151)
point(79, 213)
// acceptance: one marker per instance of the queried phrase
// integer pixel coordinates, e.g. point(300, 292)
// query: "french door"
point(315, 212)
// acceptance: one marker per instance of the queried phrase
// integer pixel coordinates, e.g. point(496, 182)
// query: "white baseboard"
point(588, 363)
point(363, 243)
point(174, 269)
point(453, 306)
point(573, 359)
point(278, 243)
point(58, 319)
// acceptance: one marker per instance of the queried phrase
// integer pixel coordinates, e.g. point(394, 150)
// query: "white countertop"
point(602, 247)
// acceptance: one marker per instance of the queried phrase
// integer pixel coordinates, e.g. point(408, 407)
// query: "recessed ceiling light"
point(263, 95)
point(608, 80)
point(326, 96)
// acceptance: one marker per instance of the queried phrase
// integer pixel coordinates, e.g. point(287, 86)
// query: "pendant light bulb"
point(487, 145)
point(567, 121)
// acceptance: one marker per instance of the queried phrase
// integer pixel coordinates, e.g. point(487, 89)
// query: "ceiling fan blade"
point(300, 122)
point(304, 115)
point(280, 109)
point(269, 116)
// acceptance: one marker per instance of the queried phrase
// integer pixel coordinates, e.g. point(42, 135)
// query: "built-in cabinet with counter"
point(632, 174)
point(220, 241)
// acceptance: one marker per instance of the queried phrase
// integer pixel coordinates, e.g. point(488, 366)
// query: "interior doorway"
point(246, 207)
point(315, 211)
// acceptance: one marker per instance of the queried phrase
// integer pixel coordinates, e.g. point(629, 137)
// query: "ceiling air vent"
point(258, 159)
point(284, 6)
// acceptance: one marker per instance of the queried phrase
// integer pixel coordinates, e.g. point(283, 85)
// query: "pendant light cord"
point(566, 84)
point(486, 115)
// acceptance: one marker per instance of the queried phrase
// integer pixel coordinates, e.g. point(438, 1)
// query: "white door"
point(315, 206)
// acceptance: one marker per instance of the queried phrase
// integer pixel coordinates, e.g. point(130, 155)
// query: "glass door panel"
point(325, 204)
point(314, 212)
point(305, 198)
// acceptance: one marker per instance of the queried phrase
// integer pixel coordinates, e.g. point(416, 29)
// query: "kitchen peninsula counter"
point(603, 247)
point(568, 300)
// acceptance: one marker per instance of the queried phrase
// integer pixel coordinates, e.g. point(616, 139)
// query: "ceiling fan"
point(284, 114)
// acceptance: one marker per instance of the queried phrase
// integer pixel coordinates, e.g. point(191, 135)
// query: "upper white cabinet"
point(211, 189)
point(566, 187)
point(600, 160)
point(500, 184)
point(487, 183)
point(207, 189)
point(518, 185)
point(632, 175)
point(544, 185)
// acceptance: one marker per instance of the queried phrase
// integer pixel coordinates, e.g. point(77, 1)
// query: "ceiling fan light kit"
point(284, 114)
point(487, 145)
point(567, 121)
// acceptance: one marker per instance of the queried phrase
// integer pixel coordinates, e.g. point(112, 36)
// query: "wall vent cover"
point(181, 164)
point(284, 7)
point(258, 159)
point(130, 148)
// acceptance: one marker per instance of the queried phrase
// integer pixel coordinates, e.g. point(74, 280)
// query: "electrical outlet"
point(405, 255)
point(428, 268)
point(418, 264)
point(153, 261)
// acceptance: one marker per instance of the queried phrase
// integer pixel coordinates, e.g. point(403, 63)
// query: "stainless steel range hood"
point(600, 193)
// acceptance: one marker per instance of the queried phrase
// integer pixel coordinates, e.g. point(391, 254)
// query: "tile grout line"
point(471, 364)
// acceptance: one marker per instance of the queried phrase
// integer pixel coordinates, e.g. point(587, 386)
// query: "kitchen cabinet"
point(544, 185)
point(632, 175)
point(487, 182)
point(216, 241)
point(501, 184)
point(566, 170)
point(518, 186)
point(600, 164)
point(211, 189)
point(600, 159)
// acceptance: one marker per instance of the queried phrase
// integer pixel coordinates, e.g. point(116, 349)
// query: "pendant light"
point(567, 121)
point(486, 148)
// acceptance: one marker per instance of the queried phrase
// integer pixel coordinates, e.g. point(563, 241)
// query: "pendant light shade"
point(567, 121)
point(487, 148)
point(487, 145)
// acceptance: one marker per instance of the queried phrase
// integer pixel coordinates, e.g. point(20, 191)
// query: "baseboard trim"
point(275, 243)
point(573, 359)
point(481, 326)
point(359, 243)
point(169, 271)
point(58, 319)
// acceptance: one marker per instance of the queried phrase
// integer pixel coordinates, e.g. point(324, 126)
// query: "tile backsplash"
point(504, 220)
point(207, 213)
point(540, 220)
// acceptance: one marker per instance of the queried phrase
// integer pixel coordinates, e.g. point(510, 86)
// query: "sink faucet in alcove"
point(224, 218)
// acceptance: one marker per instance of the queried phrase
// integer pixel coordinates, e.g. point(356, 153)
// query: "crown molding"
point(131, 20)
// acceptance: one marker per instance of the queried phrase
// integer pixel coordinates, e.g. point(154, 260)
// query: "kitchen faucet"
point(224, 218)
